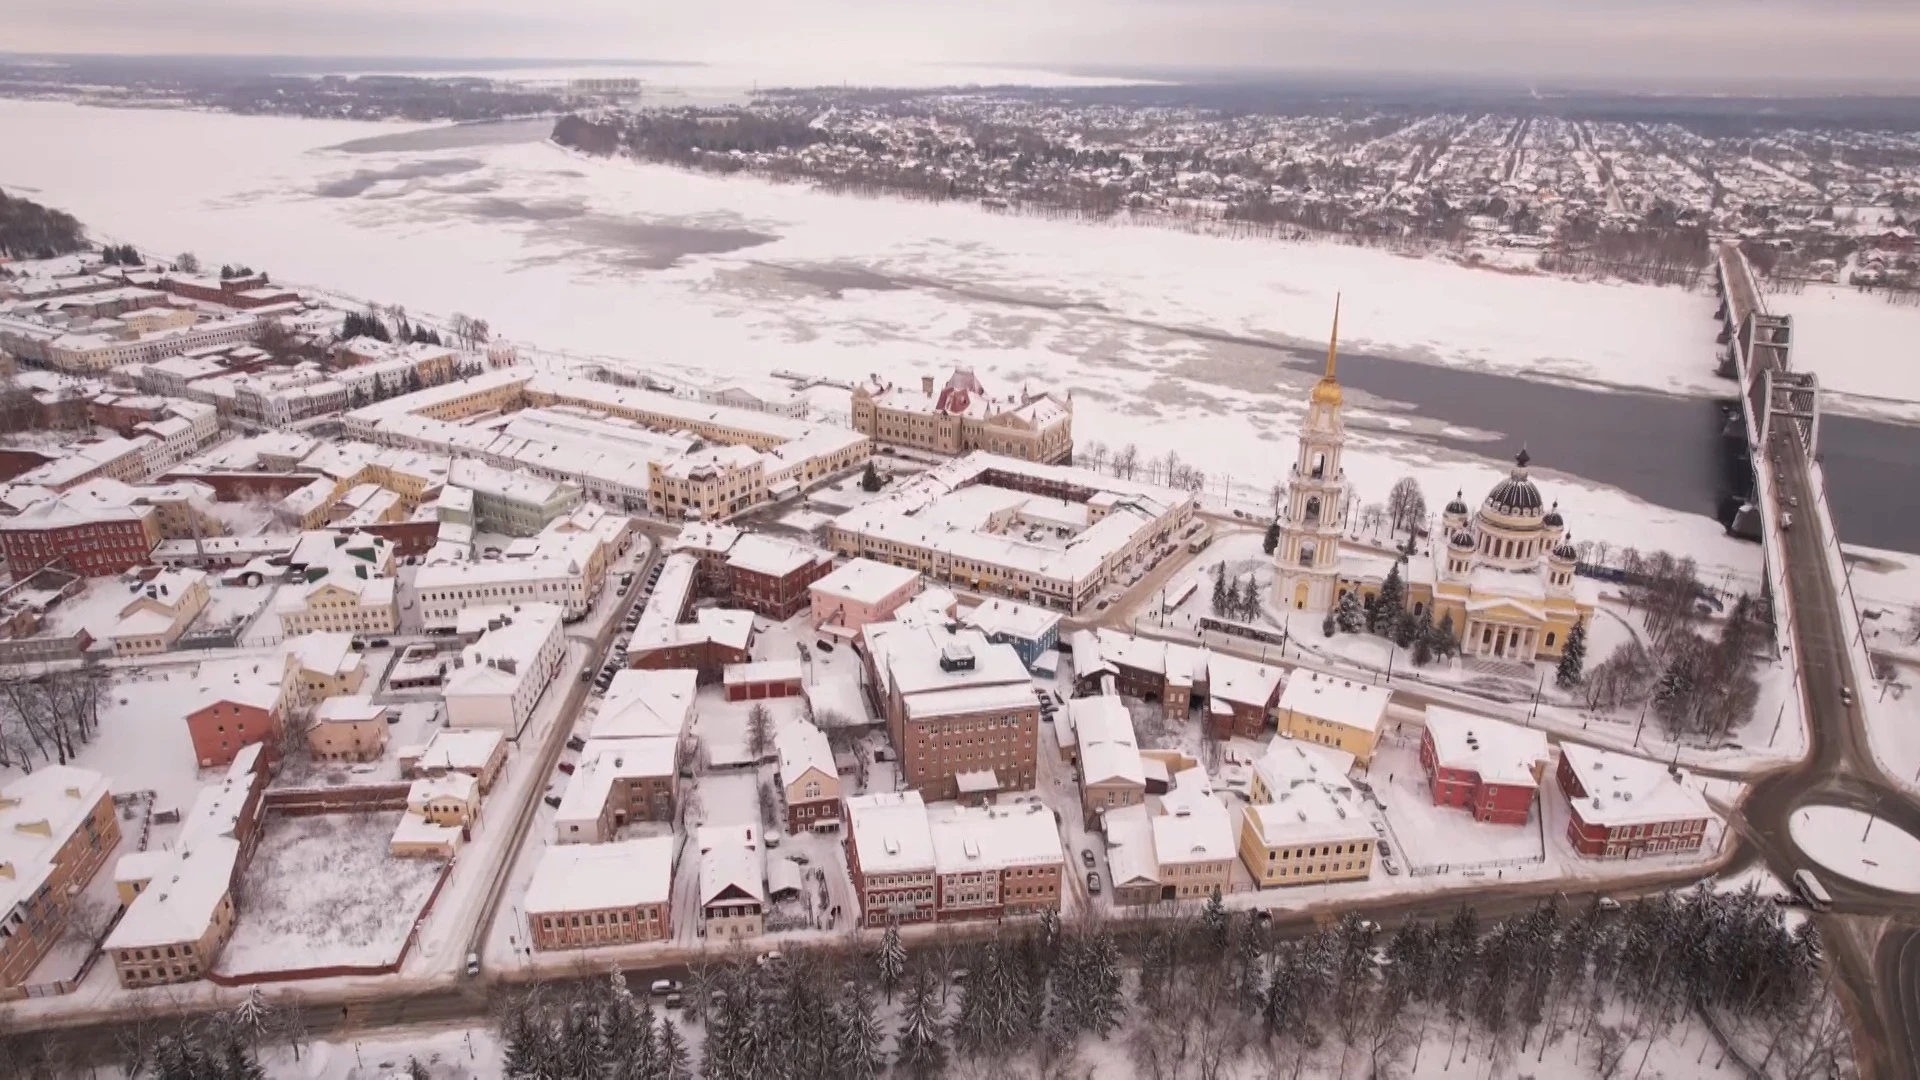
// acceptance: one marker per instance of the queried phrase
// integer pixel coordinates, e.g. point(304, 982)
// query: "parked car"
point(381, 643)
point(771, 956)
point(1093, 882)
point(575, 742)
point(1607, 903)
point(553, 801)
point(823, 646)
point(1392, 868)
point(664, 986)
point(1086, 857)
point(567, 767)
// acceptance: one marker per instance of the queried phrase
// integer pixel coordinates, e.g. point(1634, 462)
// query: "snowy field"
point(1176, 342)
point(323, 891)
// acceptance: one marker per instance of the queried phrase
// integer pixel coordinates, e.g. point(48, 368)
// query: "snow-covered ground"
point(1853, 844)
point(1851, 340)
point(322, 891)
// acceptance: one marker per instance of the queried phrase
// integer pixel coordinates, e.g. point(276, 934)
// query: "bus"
point(1811, 890)
point(1200, 539)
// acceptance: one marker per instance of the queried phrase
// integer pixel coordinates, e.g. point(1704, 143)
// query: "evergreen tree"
point(1213, 918)
point(1347, 613)
point(1273, 537)
point(237, 1063)
point(1423, 639)
point(1328, 625)
point(1446, 642)
point(1573, 658)
point(920, 1051)
point(675, 1062)
point(1388, 604)
point(1406, 626)
point(892, 961)
point(859, 1054)
point(417, 1070)
point(1221, 598)
point(181, 1057)
point(530, 1050)
point(870, 479)
point(1099, 985)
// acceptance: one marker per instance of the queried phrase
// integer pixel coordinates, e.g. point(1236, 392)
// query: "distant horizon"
point(1325, 78)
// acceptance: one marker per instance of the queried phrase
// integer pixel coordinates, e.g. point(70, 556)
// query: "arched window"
point(1549, 639)
point(1312, 516)
point(1306, 553)
point(1319, 465)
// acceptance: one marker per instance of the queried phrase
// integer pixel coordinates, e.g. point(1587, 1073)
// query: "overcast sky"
point(1624, 40)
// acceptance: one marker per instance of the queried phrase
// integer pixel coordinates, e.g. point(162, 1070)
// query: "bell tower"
point(1306, 563)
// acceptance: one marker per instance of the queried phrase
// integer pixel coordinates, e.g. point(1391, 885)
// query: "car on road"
point(1846, 695)
point(567, 767)
point(473, 963)
point(1811, 890)
point(662, 987)
point(823, 646)
point(553, 801)
point(1368, 926)
point(1606, 903)
point(576, 743)
point(586, 674)
point(1093, 882)
point(675, 1001)
point(771, 956)
point(1086, 856)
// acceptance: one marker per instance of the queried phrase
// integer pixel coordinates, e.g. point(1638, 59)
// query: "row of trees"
point(31, 231)
point(1215, 994)
point(1235, 599)
point(120, 255)
point(46, 719)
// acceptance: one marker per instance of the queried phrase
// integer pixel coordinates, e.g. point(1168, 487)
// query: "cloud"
point(1627, 39)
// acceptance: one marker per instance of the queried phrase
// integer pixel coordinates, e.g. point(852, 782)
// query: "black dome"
point(1515, 495)
point(1553, 520)
point(1565, 551)
point(1457, 506)
point(1463, 539)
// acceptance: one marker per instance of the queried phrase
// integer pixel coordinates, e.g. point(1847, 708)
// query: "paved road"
point(1881, 986)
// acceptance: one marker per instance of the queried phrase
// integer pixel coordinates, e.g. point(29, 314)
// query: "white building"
point(445, 590)
point(501, 677)
point(733, 882)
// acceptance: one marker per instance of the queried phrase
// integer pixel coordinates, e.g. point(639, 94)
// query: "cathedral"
point(1504, 572)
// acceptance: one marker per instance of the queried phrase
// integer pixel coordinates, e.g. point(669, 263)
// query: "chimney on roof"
point(926, 385)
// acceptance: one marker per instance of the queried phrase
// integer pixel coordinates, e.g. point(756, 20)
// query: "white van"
point(1811, 890)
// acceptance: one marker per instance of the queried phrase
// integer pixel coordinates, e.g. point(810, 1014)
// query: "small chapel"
point(1504, 572)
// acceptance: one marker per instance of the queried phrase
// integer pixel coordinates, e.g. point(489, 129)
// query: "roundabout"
point(1858, 846)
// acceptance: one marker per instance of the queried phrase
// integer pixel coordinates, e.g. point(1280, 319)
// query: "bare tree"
point(187, 262)
point(1125, 461)
point(1406, 504)
point(1093, 455)
point(759, 730)
point(1912, 630)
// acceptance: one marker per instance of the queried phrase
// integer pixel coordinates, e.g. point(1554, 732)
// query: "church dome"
point(1553, 520)
point(1565, 551)
point(1516, 495)
point(1458, 506)
point(1462, 540)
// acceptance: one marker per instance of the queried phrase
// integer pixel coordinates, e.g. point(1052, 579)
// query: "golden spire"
point(1327, 390)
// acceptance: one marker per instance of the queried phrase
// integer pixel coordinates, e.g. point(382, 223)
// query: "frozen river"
point(1195, 344)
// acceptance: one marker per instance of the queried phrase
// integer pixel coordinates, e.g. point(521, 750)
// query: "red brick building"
point(763, 679)
point(911, 864)
point(85, 540)
point(771, 576)
point(1622, 807)
point(1486, 766)
point(228, 718)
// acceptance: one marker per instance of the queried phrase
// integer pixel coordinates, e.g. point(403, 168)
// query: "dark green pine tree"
point(1273, 537)
point(1573, 658)
point(1388, 604)
point(1423, 639)
point(921, 1051)
point(870, 479)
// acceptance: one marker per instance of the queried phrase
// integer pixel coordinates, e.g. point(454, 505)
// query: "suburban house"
point(1333, 711)
point(321, 665)
point(733, 885)
point(225, 718)
point(1177, 845)
point(1488, 766)
point(1624, 807)
point(809, 781)
point(1032, 631)
point(1098, 733)
point(587, 895)
point(453, 799)
point(1304, 823)
point(57, 827)
point(615, 782)
point(1242, 695)
point(349, 728)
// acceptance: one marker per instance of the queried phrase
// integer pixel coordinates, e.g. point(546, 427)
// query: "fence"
point(346, 799)
point(336, 970)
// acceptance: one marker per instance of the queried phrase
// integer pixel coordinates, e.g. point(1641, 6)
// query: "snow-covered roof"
point(1020, 621)
point(1335, 699)
point(517, 645)
point(865, 581)
point(605, 761)
point(1241, 681)
point(967, 838)
point(1103, 729)
point(644, 703)
point(324, 652)
point(596, 877)
point(731, 859)
point(1193, 825)
point(180, 900)
point(763, 671)
point(1311, 798)
point(801, 747)
point(838, 695)
point(1130, 853)
point(1498, 752)
point(890, 832)
point(38, 813)
point(773, 557)
point(941, 671)
point(348, 709)
point(1626, 790)
point(466, 751)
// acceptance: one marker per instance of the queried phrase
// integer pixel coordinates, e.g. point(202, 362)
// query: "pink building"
point(861, 592)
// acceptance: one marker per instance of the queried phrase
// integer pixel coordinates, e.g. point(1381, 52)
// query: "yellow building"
point(962, 416)
point(1303, 823)
point(1329, 710)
